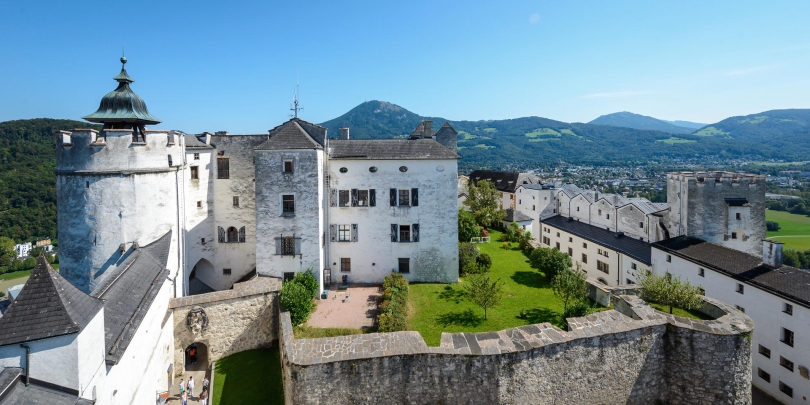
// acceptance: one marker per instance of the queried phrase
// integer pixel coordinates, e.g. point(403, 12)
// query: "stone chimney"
point(344, 133)
point(428, 129)
point(221, 133)
point(207, 138)
point(772, 253)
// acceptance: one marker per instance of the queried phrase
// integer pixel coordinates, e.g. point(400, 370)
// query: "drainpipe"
point(27, 363)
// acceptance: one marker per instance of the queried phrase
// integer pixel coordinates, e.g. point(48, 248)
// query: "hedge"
point(393, 312)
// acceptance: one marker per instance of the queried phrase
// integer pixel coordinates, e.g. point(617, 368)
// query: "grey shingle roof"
point(193, 143)
point(504, 181)
point(130, 291)
point(47, 306)
point(515, 216)
point(786, 281)
point(389, 149)
point(293, 135)
point(14, 392)
point(634, 248)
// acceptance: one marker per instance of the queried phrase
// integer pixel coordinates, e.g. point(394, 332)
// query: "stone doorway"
point(196, 357)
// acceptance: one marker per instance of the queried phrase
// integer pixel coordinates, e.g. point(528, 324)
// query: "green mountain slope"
point(27, 178)
point(687, 124)
point(637, 121)
point(764, 126)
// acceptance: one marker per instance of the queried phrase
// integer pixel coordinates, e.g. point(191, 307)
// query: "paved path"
point(356, 312)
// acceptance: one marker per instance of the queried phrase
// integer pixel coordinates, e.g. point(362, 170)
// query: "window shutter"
point(393, 195)
point(355, 197)
point(333, 199)
point(297, 245)
point(415, 197)
point(415, 233)
point(354, 232)
point(221, 234)
point(333, 233)
point(278, 245)
point(394, 233)
point(372, 198)
point(242, 235)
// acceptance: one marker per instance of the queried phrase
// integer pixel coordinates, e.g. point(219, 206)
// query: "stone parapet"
point(259, 285)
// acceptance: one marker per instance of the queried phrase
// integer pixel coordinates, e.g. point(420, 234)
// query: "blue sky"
point(207, 66)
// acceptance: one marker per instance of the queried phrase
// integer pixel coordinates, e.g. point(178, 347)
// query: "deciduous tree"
point(484, 292)
point(467, 228)
point(669, 291)
point(483, 201)
point(570, 286)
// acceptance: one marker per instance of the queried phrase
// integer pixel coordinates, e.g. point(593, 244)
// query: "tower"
point(117, 188)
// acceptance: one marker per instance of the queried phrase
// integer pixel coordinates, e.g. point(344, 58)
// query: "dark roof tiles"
point(515, 216)
point(389, 149)
point(294, 134)
point(634, 248)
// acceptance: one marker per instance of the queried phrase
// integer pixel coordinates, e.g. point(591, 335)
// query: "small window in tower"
point(641, 225)
point(739, 216)
point(373, 169)
point(226, 272)
point(195, 173)
point(734, 235)
point(202, 240)
point(196, 156)
point(87, 184)
point(288, 204)
point(199, 204)
point(403, 169)
point(170, 160)
point(343, 170)
point(233, 235)
point(236, 201)
point(288, 166)
point(223, 168)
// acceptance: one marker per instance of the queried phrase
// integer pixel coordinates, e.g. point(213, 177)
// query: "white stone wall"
point(603, 215)
point(532, 202)
point(54, 360)
point(143, 369)
point(435, 257)
point(629, 220)
point(766, 310)
point(579, 208)
point(90, 357)
point(200, 223)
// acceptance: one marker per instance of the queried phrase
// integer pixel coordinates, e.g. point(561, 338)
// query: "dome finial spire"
point(123, 58)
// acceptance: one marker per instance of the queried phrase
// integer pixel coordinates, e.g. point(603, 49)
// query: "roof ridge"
point(311, 139)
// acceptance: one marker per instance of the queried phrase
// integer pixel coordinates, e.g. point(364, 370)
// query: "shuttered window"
point(343, 198)
point(372, 198)
point(223, 168)
point(288, 245)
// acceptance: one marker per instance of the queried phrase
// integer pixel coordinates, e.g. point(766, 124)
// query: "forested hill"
point(27, 178)
point(536, 141)
point(637, 121)
point(764, 126)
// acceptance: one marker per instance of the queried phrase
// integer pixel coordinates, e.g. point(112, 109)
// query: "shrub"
point(467, 228)
point(772, 226)
point(669, 291)
point(308, 280)
point(393, 313)
point(577, 308)
point(473, 268)
point(467, 252)
point(549, 261)
point(484, 260)
point(296, 299)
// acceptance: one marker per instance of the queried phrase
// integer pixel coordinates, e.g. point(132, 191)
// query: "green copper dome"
point(122, 104)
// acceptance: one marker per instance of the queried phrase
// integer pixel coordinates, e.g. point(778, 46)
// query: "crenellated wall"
point(631, 355)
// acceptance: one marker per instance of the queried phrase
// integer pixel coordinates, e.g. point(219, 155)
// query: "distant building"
point(505, 182)
point(42, 242)
point(22, 249)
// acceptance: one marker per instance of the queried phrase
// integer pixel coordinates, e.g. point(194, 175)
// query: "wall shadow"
point(466, 318)
point(533, 279)
point(452, 294)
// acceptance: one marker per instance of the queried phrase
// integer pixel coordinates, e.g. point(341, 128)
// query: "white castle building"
point(149, 215)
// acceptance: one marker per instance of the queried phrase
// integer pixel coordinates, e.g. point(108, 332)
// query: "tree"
point(484, 292)
point(467, 252)
point(669, 291)
point(308, 280)
point(296, 299)
point(570, 286)
point(772, 226)
point(35, 252)
point(483, 201)
point(7, 252)
point(467, 228)
point(549, 261)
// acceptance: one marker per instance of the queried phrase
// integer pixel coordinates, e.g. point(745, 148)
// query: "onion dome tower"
point(122, 108)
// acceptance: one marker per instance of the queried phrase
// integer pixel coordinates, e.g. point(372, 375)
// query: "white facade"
point(22, 249)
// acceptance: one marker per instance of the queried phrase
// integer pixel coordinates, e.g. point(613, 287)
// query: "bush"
point(484, 260)
point(467, 228)
point(296, 299)
point(308, 280)
point(577, 308)
point(393, 311)
point(473, 268)
point(772, 226)
point(467, 252)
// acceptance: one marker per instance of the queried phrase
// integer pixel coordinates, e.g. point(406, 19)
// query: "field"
point(795, 232)
point(542, 132)
point(437, 308)
point(673, 140)
point(250, 377)
point(710, 131)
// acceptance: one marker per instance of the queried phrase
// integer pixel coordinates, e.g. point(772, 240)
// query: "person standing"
point(182, 386)
point(204, 396)
point(205, 383)
point(191, 386)
point(184, 398)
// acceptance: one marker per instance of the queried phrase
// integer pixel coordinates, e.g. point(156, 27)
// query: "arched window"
point(602, 280)
point(233, 235)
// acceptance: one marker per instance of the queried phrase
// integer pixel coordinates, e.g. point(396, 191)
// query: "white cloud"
point(615, 94)
point(749, 70)
point(534, 18)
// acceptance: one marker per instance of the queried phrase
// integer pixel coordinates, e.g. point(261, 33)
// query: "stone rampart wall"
point(240, 319)
point(631, 355)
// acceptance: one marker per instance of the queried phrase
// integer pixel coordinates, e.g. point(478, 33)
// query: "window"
point(558, 246)
point(288, 275)
point(628, 281)
point(404, 197)
point(734, 235)
point(343, 170)
point(669, 258)
point(739, 308)
point(600, 213)
point(404, 233)
point(343, 198)
point(787, 337)
point(701, 272)
point(362, 198)
point(345, 264)
point(520, 202)
point(584, 245)
point(739, 216)
point(288, 204)
point(570, 252)
point(786, 389)
point(199, 204)
point(641, 225)
point(236, 201)
point(765, 351)
point(788, 309)
point(546, 241)
point(558, 234)
point(404, 265)
point(373, 169)
point(603, 267)
point(196, 156)
point(763, 375)
point(570, 239)
point(226, 272)
point(223, 168)
point(233, 234)
point(786, 363)
point(577, 209)
point(86, 184)
point(403, 169)
point(288, 166)
point(344, 233)
point(170, 160)
point(195, 173)
point(202, 241)
point(584, 258)
point(633, 266)
point(740, 288)
point(608, 216)
point(287, 245)
point(533, 208)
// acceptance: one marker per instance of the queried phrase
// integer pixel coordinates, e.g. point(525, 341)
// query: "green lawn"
point(795, 232)
point(16, 274)
point(250, 377)
point(437, 308)
point(308, 332)
point(686, 313)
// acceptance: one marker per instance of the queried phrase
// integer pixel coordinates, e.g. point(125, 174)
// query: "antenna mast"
point(295, 106)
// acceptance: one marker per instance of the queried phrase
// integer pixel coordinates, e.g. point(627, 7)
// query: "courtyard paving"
point(358, 311)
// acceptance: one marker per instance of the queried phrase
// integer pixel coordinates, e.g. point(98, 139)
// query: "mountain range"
point(637, 121)
point(535, 141)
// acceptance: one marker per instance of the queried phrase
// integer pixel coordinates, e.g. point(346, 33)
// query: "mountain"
point(687, 124)
point(630, 120)
point(532, 142)
point(27, 178)
point(765, 127)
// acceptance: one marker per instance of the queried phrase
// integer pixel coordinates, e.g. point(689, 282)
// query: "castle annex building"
point(150, 216)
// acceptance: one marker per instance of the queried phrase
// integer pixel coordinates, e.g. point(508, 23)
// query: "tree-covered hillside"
point(763, 127)
point(27, 178)
point(637, 121)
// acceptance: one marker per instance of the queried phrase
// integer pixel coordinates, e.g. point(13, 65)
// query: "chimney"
point(344, 133)
point(207, 138)
point(220, 133)
point(772, 253)
point(428, 129)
